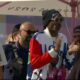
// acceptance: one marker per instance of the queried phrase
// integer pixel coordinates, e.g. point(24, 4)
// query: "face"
point(76, 37)
point(26, 32)
point(54, 27)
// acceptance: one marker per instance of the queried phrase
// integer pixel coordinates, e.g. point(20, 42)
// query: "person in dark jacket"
point(16, 52)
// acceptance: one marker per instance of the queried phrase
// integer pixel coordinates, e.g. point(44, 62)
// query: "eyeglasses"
point(29, 31)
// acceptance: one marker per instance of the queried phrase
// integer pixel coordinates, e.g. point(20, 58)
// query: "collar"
point(46, 31)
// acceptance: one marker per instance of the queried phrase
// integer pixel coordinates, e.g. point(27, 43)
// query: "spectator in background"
point(74, 49)
point(48, 46)
point(9, 39)
point(12, 37)
point(16, 52)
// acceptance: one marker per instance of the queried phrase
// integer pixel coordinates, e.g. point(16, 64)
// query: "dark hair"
point(48, 14)
point(76, 29)
point(16, 28)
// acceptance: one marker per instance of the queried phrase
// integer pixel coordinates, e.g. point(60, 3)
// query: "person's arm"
point(39, 59)
point(7, 50)
point(73, 48)
point(70, 57)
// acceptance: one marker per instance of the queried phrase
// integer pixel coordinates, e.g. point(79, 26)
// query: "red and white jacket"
point(42, 52)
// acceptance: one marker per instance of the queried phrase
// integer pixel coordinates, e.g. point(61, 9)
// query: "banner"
point(33, 8)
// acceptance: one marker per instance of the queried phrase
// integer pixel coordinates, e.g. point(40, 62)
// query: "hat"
point(16, 28)
point(48, 15)
point(76, 29)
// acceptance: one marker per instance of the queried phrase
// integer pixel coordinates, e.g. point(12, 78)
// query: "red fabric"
point(37, 58)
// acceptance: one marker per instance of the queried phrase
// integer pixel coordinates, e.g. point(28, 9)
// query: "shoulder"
point(7, 47)
point(8, 50)
point(38, 34)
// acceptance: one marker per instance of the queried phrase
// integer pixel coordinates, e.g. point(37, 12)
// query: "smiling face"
point(54, 27)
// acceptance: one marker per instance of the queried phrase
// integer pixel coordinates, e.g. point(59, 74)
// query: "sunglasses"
point(29, 31)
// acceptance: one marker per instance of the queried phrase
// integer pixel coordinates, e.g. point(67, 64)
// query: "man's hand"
point(73, 48)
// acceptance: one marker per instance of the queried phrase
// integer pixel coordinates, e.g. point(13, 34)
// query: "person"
point(17, 53)
point(74, 49)
point(9, 39)
point(48, 46)
point(12, 37)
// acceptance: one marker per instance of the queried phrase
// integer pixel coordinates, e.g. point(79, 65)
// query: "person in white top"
point(47, 46)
